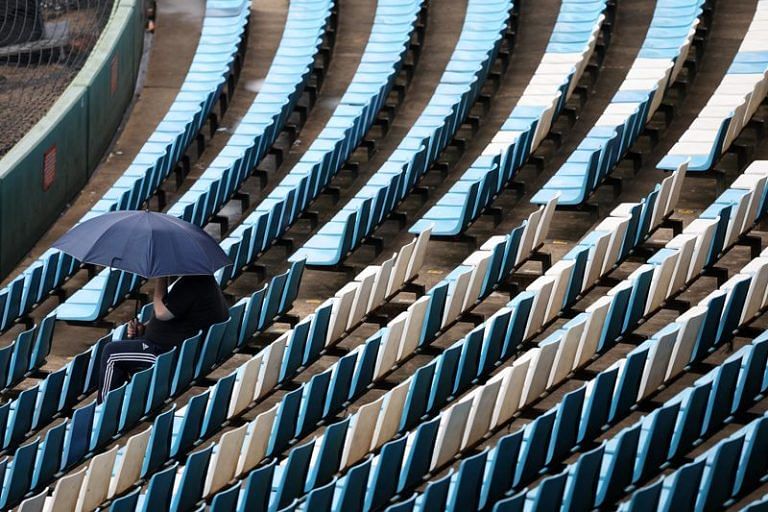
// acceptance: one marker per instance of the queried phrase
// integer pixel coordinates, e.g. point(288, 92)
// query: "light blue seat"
point(190, 488)
point(79, 430)
point(184, 371)
point(285, 422)
point(91, 301)
point(135, 399)
point(312, 403)
point(288, 481)
point(49, 454)
point(20, 416)
point(187, 424)
point(208, 355)
point(106, 418)
point(160, 490)
point(47, 404)
point(216, 413)
point(160, 385)
point(18, 474)
point(159, 444)
point(256, 490)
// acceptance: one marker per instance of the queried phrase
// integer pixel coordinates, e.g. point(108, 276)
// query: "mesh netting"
point(43, 43)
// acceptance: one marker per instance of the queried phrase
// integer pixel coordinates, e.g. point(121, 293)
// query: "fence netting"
point(43, 44)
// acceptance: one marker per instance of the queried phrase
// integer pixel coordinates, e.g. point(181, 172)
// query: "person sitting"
point(192, 304)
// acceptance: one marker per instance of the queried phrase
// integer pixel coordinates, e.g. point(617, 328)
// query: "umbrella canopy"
point(145, 243)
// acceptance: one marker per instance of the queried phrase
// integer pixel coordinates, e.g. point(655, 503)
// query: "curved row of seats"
point(392, 31)
point(173, 373)
point(571, 45)
point(305, 26)
point(485, 24)
point(92, 427)
point(713, 477)
point(216, 58)
point(321, 390)
point(731, 106)
point(653, 71)
point(605, 400)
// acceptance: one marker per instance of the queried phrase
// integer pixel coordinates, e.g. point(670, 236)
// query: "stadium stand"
point(668, 431)
point(557, 361)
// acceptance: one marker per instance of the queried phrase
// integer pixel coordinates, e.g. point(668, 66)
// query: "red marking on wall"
point(49, 167)
point(114, 75)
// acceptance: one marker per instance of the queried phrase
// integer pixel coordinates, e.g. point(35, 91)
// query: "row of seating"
point(406, 404)
point(252, 381)
point(392, 32)
point(653, 71)
point(583, 412)
point(283, 86)
point(600, 476)
point(571, 45)
point(731, 106)
point(608, 398)
point(485, 24)
point(257, 130)
point(713, 477)
point(214, 63)
point(91, 427)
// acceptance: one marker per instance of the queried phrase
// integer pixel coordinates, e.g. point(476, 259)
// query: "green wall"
point(75, 133)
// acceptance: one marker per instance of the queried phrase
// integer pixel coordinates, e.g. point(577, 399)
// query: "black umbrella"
point(145, 243)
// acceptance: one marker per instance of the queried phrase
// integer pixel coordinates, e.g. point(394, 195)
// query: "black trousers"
point(121, 359)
